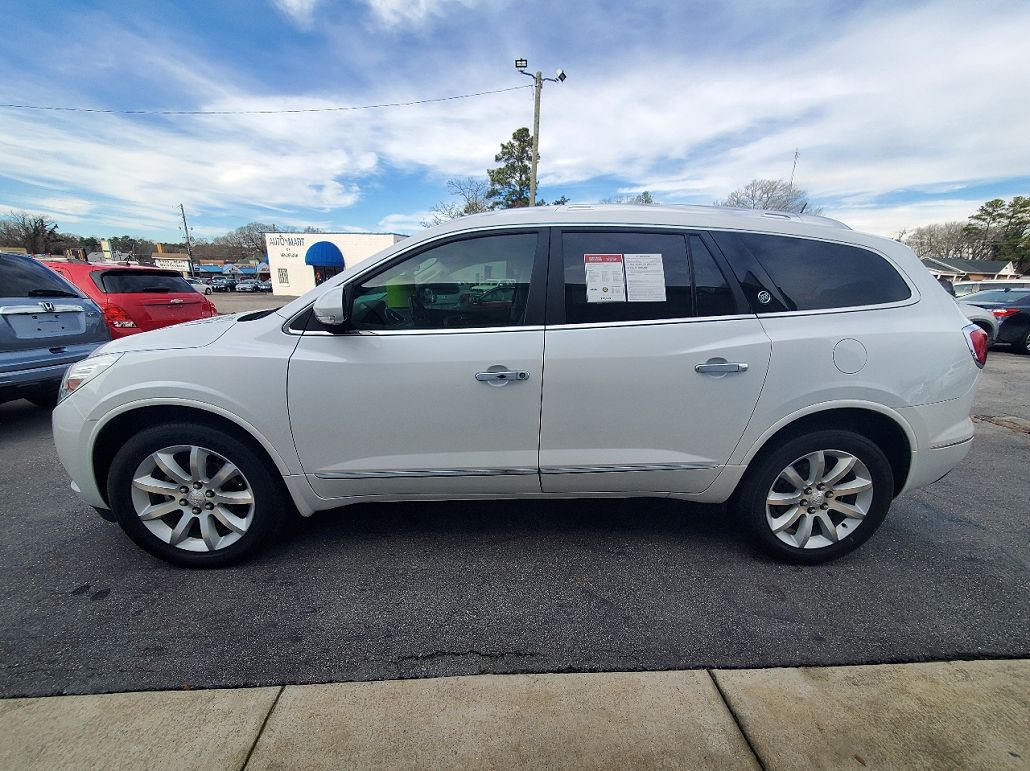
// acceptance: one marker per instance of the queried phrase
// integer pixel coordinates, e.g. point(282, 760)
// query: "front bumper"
point(72, 432)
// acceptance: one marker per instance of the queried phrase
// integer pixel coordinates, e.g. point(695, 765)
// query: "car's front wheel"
point(817, 497)
point(195, 496)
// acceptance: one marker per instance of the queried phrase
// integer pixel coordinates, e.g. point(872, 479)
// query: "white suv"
point(803, 372)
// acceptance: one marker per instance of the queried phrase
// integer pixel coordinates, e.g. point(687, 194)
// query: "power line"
point(261, 112)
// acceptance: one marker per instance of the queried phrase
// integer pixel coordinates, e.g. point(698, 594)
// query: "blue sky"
point(903, 113)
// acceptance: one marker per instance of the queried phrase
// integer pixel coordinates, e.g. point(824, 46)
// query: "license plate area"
point(34, 326)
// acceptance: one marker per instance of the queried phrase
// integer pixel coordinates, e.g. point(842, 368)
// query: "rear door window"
point(628, 275)
point(806, 274)
point(140, 282)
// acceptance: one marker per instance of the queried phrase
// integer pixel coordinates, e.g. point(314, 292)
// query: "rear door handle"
point(721, 366)
point(502, 376)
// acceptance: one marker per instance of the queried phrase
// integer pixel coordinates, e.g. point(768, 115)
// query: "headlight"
point(82, 372)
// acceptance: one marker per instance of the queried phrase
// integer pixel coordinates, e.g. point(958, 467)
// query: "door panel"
point(392, 414)
point(627, 399)
point(432, 391)
point(625, 408)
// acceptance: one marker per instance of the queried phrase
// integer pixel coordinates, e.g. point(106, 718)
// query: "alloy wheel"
point(192, 498)
point(819, 499)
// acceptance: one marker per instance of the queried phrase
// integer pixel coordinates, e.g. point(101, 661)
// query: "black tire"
point(1022, 343)
point(271, 505)
point(750, 501)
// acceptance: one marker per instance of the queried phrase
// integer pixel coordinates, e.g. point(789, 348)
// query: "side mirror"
point(331, 308)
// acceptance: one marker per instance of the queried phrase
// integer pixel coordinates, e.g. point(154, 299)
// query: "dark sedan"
point(1011, 307)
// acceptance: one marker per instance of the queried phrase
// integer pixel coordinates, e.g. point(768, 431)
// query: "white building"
point(300, 261)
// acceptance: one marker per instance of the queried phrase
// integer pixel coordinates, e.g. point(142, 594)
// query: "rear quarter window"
point(137, 282)
point(813, 275)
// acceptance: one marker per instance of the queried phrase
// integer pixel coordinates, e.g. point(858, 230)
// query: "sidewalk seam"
point(261, 730)
point(736, 720)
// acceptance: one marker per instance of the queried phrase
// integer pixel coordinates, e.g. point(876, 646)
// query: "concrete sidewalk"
point(943, 715)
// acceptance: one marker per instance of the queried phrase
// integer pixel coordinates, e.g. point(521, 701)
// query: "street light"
point(538, 82)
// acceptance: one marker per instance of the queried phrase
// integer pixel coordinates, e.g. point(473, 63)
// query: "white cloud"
point(69, 208)
point(403, 223)
point(890, 219)
point(897, 100)
point(393, 12)
point(301, 12)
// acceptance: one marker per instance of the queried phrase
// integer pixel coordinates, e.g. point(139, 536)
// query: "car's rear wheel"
point(1023, 341)
point(195, 496)
point(817, 497)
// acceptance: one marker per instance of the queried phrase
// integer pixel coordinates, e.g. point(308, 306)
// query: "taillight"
point(117, 318)
point(209, 308)
point(977, 340)
point(1004, 313)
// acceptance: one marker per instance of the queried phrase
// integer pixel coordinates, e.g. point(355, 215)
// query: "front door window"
point(472, 283)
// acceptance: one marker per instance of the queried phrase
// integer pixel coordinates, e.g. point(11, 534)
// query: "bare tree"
point(944, 239)
point(36, 234)
point(469, 198)
point(771, 194)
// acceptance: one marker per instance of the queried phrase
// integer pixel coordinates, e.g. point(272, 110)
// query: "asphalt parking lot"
point(414, 590)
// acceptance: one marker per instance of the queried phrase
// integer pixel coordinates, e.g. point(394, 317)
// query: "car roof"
point(91, 267)
point(630, 214)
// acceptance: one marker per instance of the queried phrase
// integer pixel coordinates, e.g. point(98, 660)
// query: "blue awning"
point(324, 254)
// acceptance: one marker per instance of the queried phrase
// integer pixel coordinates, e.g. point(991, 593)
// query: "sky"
point(902, 113)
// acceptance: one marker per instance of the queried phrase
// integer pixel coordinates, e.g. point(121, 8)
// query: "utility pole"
point(189, 245)
point(538, 85)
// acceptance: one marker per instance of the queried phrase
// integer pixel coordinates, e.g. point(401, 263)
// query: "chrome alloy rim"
point(192, 498)
point(819, 499)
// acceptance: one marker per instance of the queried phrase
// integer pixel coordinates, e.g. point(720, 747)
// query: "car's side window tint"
point(476, 282)
point(814, 275)
point(712, 293)
point(625, 276)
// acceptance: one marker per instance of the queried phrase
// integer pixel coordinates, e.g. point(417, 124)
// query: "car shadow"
point(20, 416)
point(498, 521)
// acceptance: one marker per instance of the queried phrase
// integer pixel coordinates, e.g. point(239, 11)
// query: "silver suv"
point(45, 325)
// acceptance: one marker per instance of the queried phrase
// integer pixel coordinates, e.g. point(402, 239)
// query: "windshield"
point(1000, 296)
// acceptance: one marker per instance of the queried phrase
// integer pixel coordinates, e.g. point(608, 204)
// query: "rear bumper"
point(944, 435)
point(934, 464)
point(35, 379)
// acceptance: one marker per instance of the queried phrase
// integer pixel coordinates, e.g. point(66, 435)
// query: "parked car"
point(964, 288)
point(983, 318)
point(223, 284)
point(265, 286)
point(248, 285)
point(1011, 307)
point(692, 353)
point(200, 286)
point(136, 299)
point(45, 325)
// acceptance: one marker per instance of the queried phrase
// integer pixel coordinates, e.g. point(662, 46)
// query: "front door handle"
point(721, 366)
point(502, 376)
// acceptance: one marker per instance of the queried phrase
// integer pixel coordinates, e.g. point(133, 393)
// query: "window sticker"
point(606, 278)
point(645, 278)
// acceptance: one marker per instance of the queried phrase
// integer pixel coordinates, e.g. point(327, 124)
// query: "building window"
point(284, 277)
